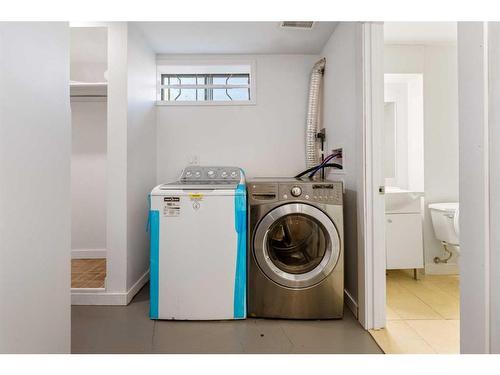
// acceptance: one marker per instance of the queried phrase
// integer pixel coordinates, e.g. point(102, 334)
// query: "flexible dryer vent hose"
point(313, 113)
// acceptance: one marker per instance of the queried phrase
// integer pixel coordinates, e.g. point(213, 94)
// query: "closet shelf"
point(88, 89)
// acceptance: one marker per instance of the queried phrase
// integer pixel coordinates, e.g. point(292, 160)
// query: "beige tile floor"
point(88, 273)
point(422, 315)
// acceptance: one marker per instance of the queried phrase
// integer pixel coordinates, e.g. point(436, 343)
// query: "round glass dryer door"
point(296, 245)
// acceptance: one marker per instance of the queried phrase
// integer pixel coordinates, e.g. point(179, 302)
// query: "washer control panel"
point(197, 173)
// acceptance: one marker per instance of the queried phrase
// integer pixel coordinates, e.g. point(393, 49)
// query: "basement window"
point(207, 84)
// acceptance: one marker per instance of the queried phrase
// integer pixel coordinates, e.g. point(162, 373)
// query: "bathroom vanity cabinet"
point(403, 230)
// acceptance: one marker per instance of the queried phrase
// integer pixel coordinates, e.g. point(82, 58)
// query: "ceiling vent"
point(298, 24)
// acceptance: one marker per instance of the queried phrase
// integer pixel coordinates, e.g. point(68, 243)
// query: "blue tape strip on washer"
point(154, 223)
point(149, 210)
point(240, 288)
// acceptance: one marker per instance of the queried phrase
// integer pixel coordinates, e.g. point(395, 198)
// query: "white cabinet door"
point(404, 245)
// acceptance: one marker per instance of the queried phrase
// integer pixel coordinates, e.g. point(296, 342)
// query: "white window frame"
point(206, 67)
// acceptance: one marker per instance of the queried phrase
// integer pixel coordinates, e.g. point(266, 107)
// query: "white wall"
point(131, 156)
point(35, 146)
point(403, 59)
point(141, 150)
point(343, 122)
point(116, 221)
point(479, 93)
point(88, 52)
point(88, 175)
point(266, 139)
point(438, 64)
point(131, 160)
point(475, 291)
point(88, 72)
point(494, 180)
point(440, 136)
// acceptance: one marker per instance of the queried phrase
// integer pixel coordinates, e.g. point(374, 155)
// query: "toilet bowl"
point(445, 220)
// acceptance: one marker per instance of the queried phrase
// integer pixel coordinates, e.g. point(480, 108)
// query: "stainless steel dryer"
point(295, 257)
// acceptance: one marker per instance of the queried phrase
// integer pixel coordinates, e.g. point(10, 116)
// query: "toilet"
point(445, 222)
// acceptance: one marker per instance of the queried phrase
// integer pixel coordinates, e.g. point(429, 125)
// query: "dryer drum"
point(296, 244)
point(292, 269)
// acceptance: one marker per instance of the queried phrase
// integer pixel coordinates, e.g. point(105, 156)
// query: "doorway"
point(88, 93)
point(419, 170)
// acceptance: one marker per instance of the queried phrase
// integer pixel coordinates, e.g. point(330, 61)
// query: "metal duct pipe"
point(313, 112)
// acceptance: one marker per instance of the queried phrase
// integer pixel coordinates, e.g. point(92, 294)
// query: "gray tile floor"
point(128, 329)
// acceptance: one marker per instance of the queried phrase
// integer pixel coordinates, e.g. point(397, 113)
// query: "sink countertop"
point(396, 190)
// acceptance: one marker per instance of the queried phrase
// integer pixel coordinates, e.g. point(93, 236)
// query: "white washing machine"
point(198, 246)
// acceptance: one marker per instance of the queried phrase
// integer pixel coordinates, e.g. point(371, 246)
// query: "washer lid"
point(199, 185)
point(296, 245)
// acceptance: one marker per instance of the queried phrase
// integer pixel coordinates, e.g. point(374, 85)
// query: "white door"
point(35, 147)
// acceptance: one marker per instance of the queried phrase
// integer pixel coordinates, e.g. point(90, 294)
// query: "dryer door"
point(296, 245)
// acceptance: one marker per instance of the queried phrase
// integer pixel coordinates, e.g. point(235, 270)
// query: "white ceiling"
point(88, 44)
point(235, 37)
point(420, 32)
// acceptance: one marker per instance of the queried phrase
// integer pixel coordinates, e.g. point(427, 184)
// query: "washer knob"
point(234, 174)
point(223, 174)
point(211, 174)
point(296, 191)
point(197, 174)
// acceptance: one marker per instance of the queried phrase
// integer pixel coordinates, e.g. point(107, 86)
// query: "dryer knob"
point(296, 191)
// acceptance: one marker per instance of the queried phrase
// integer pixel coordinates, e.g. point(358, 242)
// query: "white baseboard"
point(351, 303)
point(99, 296)
point(441, 269)
point(88, 253)
point(134, 289)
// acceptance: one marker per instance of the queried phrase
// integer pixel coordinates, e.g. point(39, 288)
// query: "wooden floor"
point(422, 315)
point(88, 273)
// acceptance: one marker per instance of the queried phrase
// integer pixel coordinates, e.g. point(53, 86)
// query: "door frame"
point(371, 252)
point(478, 86)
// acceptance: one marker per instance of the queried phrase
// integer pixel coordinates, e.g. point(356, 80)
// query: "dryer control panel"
point(326, 192)
point(319, 192)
